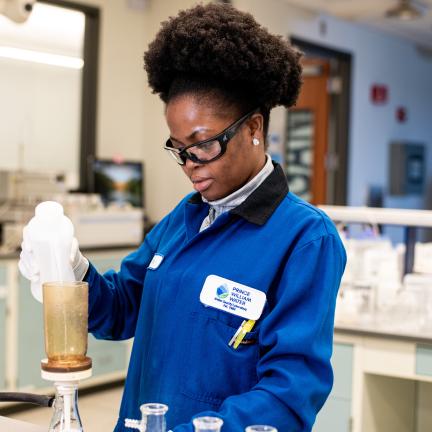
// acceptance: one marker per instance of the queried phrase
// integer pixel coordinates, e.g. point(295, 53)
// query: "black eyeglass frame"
point(223, 138)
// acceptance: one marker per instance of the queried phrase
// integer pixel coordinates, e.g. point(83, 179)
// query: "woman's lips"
point(201, 184)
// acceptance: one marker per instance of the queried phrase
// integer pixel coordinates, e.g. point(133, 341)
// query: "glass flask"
point(66, 417)
point(260, 428)
point(207, 424)
point(65, 306)
point(153, 417)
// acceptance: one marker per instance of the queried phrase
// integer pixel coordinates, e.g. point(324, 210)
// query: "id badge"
point(233, 297)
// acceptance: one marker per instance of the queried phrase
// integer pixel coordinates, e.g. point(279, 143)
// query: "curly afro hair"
point(218, 49)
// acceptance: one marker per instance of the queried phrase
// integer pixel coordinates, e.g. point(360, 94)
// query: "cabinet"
point(3, 309)
point(30, 340)
point(108, 357)
point(335, 415)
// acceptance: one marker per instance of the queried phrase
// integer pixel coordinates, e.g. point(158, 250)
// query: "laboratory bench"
point(382, 378)
point(18, 426)
point(382, 371)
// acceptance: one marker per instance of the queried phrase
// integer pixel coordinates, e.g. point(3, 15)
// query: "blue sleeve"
point(296, 337)
point(115, 297)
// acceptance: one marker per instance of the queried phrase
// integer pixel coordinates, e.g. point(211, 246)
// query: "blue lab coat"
point(281, 374)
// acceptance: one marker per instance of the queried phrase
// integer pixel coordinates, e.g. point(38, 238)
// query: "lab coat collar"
point(263, 201)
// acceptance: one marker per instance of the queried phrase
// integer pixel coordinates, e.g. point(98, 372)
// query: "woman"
point(242, 248)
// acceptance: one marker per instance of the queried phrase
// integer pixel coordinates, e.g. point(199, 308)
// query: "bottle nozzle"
point(49, 210)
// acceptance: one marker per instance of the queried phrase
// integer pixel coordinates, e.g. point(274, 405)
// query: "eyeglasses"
point(207, 151)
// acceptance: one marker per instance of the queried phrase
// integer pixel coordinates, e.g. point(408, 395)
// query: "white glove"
point(27, 263)
point(28, 266)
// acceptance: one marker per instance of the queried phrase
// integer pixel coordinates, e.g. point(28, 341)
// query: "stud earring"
point(255, 141)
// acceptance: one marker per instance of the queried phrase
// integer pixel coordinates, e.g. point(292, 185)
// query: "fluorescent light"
point(41, 57)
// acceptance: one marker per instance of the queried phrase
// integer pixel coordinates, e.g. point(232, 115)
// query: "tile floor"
point(98, 411)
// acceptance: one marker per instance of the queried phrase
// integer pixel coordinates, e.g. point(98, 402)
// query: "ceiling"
point(372, 13)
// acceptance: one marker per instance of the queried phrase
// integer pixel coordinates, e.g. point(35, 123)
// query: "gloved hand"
point(27, 263)
point(28, 266)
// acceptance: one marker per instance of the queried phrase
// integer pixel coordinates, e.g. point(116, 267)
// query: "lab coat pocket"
point(212, 370)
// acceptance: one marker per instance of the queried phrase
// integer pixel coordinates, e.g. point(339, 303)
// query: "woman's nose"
point(190, 165)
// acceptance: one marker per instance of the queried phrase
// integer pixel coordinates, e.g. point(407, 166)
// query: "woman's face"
point(191, 120)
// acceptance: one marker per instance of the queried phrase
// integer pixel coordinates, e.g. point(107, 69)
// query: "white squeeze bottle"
point(50, 234)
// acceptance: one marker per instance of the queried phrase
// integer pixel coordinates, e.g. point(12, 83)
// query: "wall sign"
point(379, 94)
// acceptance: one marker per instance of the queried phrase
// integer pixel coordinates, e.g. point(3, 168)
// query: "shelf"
point(383, 216)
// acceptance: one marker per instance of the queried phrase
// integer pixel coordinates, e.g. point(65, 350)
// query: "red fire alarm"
point(379, 94)
point(401, 114)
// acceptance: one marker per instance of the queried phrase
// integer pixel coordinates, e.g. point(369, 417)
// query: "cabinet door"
point(31, 348)
point(107, 356)
point(104, 261)
point(335, 416)
point(3, 291)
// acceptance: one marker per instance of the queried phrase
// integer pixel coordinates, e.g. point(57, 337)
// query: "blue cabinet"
point(423, 364)
point(335, 416)
point(3, 291)
point(107, 356)
point(31, 349)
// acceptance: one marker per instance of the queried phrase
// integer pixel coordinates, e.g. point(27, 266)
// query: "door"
point(307, 134)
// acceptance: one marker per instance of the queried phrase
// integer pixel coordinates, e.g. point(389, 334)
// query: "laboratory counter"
point(382, 375)
point(382, 366)
point(386, 327)
point(18, 426)
point(84, 250)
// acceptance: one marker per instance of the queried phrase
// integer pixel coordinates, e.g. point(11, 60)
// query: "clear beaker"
point(260, 428)
point(207, 424)
point(153, 417)
point(65, 306)
point(66, 417)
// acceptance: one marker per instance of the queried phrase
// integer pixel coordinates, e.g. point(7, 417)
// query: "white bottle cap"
point(49, 210)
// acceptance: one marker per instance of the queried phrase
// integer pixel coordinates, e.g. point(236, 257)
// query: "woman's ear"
point(256, 125)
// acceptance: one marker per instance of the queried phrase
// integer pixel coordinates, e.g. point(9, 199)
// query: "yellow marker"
point(246, 327)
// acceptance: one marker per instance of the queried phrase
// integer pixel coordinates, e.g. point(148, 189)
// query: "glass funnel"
point(207, 424)
point(153, 417)
point(65, 306)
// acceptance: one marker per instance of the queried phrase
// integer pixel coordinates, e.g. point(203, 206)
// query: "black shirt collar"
point(262, 202)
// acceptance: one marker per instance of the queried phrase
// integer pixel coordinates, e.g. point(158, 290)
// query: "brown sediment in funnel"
point(65, 366)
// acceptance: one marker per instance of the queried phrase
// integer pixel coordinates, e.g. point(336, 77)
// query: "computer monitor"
point(119, 182)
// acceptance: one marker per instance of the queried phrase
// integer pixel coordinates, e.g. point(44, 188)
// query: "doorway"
point(317, 128)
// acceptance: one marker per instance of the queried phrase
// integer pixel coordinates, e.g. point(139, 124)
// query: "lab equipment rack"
point(409, 220)
point(382, 371)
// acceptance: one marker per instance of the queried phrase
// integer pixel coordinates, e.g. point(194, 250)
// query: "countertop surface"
point(18, 426)
point(412, 329)
point(126, 248)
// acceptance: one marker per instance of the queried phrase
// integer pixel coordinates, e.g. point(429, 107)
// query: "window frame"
point(87, 148)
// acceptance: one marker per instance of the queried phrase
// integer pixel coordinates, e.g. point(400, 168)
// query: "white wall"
point(130, 120)
point(377, 58)
point(39, 117)
point(40, 104)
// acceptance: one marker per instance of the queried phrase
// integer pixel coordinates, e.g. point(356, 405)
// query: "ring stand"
point(66, 378)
